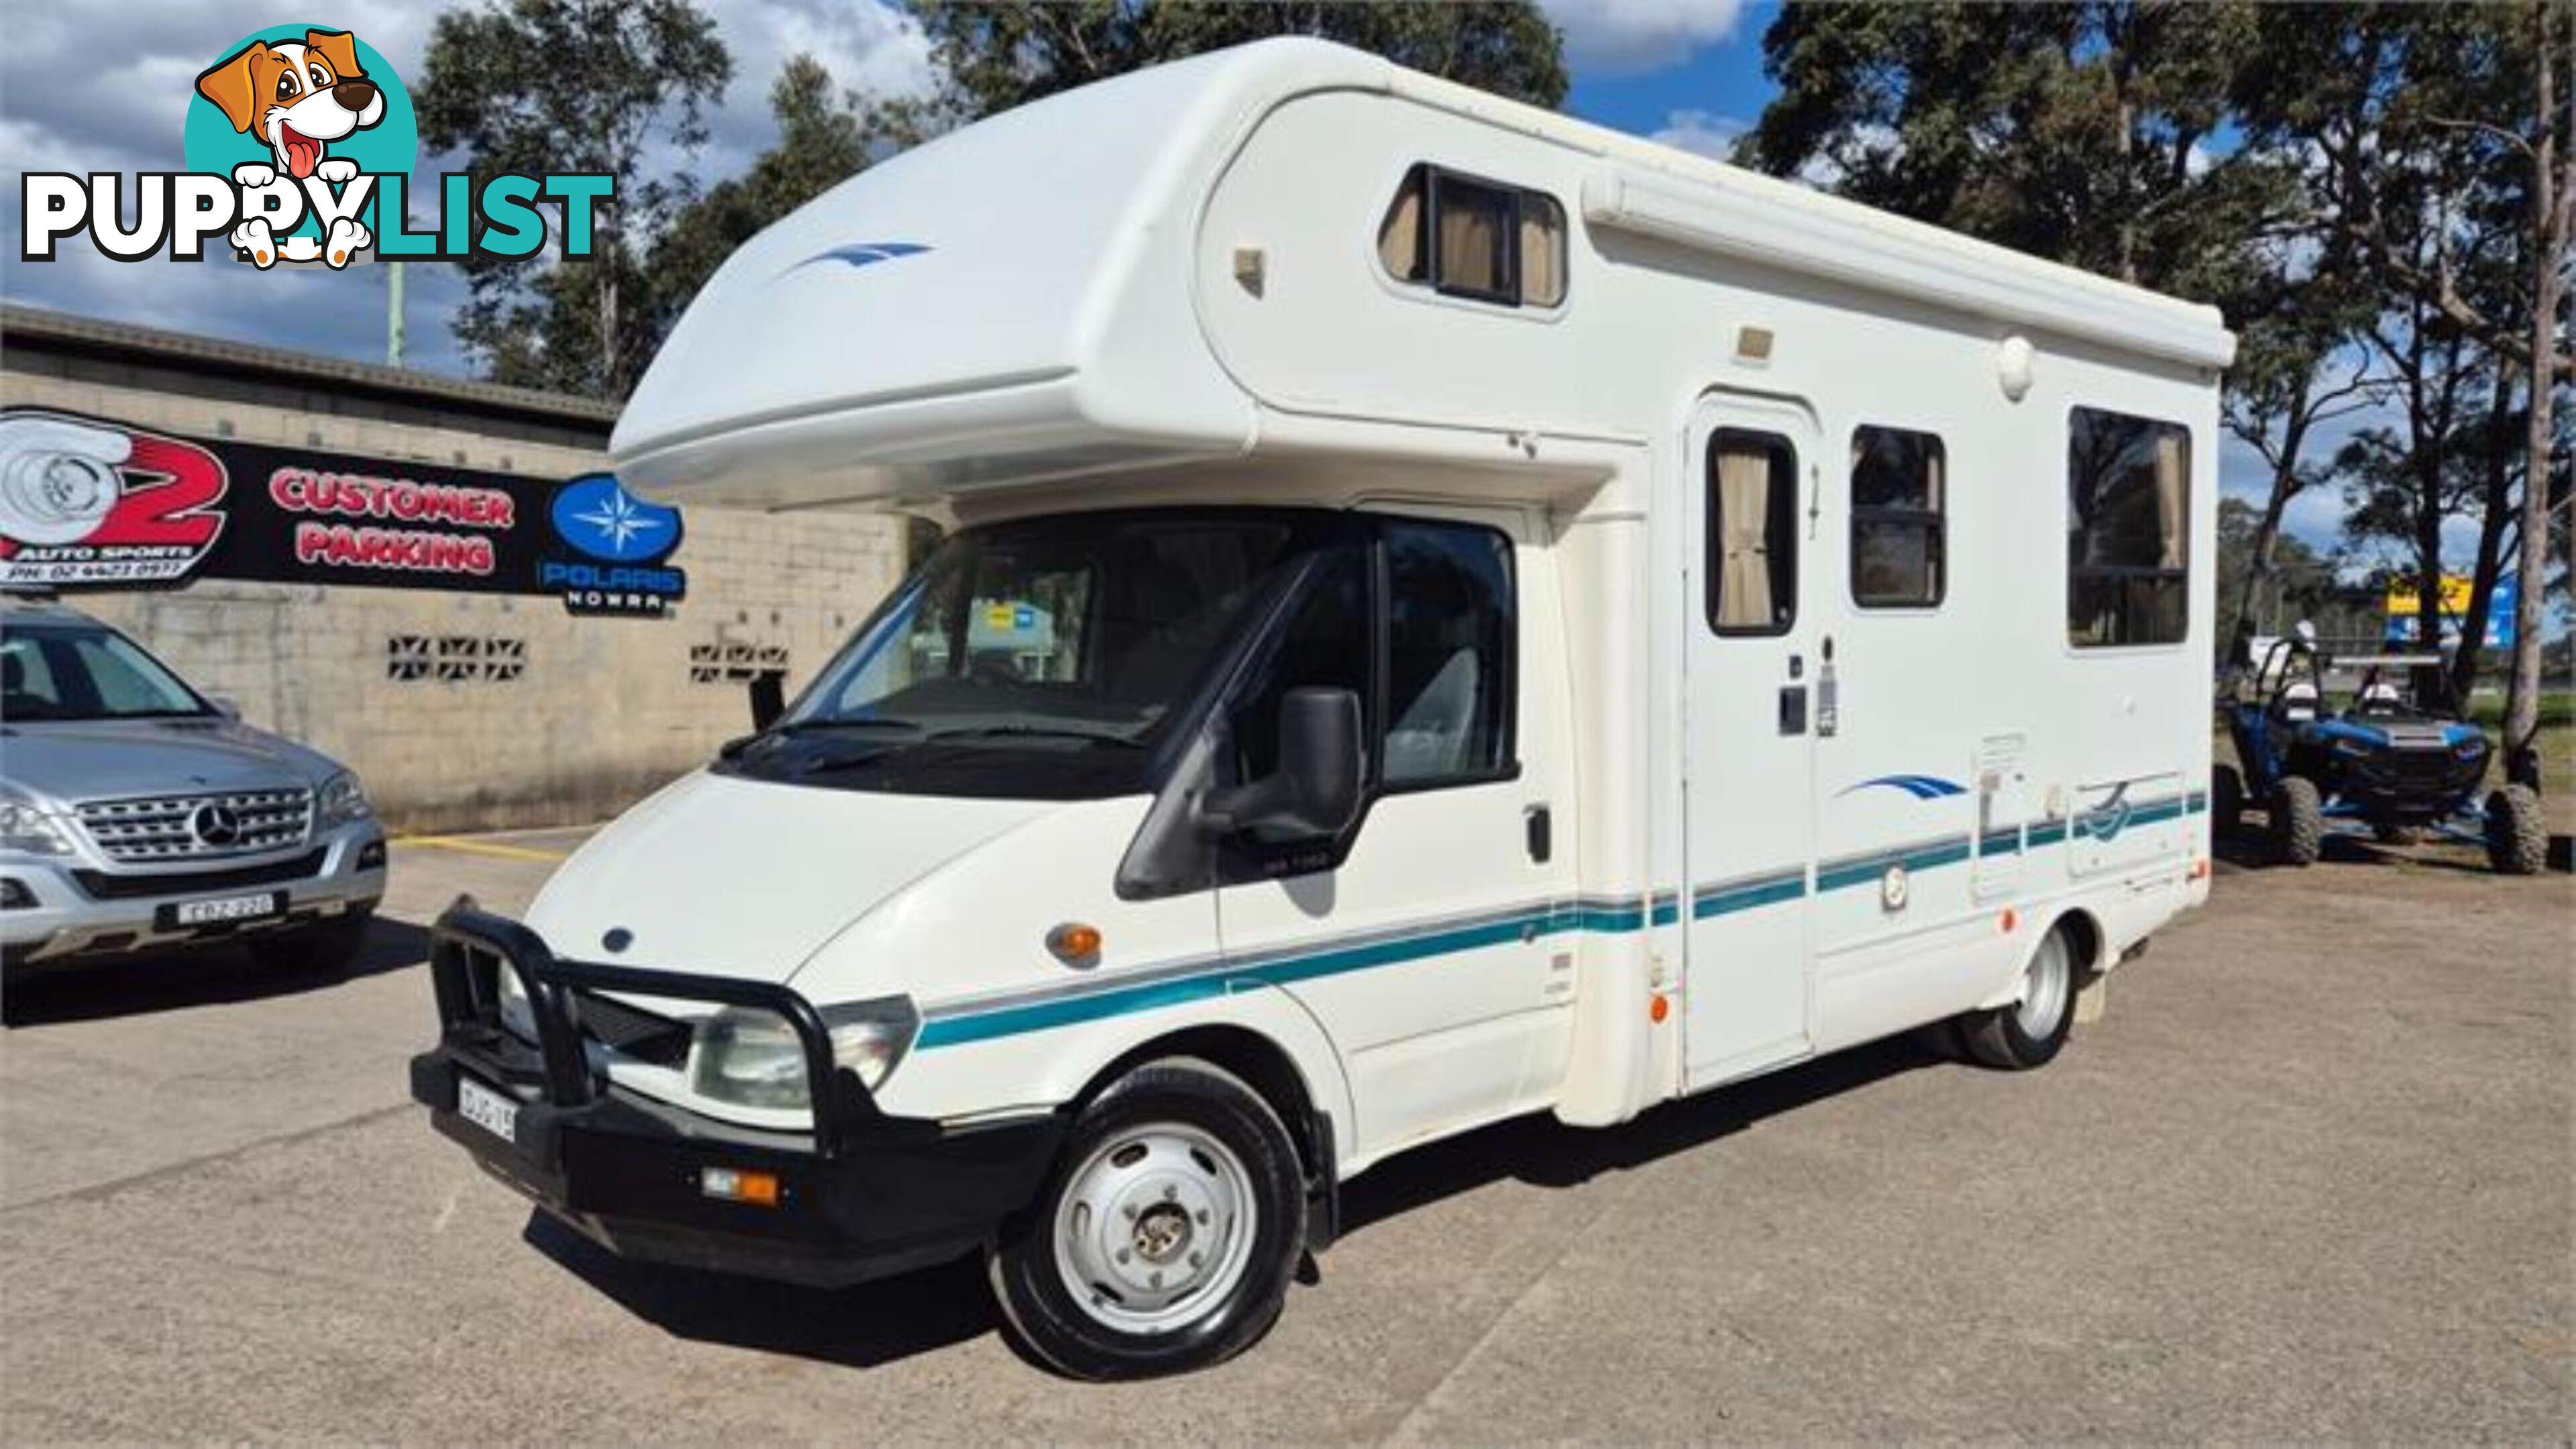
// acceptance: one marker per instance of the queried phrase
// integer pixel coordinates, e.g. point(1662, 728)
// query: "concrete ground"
point(2313, 1177)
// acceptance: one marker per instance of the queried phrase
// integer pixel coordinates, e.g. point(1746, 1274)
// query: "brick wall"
point(509, 711)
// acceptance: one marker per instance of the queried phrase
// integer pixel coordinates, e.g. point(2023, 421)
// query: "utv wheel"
point(2226, 801)
point(315, 950)
point(1168, 1235)
point(2517, 836)
point(2028, 1033)
point(2298, 821)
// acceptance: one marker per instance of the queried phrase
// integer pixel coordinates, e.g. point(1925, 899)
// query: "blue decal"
point(2105, 821)
point(862, 254)
point(1921, 787)
point(596, 515)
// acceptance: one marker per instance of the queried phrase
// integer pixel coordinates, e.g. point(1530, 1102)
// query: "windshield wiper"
point(1037, 731)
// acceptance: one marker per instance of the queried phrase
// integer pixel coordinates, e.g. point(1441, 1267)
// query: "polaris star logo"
point(215, 825)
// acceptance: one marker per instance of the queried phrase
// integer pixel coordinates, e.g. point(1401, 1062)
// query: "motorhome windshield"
point(85, 672)
point(1041, 658)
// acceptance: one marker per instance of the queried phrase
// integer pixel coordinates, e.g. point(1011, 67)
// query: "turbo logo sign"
point(83, 503)
point(89, 503)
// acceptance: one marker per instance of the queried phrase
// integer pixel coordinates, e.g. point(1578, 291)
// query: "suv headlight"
point(339, 801)
point(29, 830)
point(752, 1058)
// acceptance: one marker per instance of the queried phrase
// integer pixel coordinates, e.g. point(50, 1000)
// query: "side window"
point(1469, 238)
point(2128, 529)
point(27, 678)
point(1449, 645)
point(1898, 494)
point(1752, 533)
point(1326, 645)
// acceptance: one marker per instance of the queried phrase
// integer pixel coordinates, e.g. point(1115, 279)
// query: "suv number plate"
point(227, 908)
point(487, 1109)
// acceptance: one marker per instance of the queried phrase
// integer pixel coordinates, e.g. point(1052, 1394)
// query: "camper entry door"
point(1752, 711)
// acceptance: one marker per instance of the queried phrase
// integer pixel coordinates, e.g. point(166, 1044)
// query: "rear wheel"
point(2517, 837)
point(315, 950)
point(2029, 1033)
point(2298, 821)
point(1168, 1236)
point(2226, 801)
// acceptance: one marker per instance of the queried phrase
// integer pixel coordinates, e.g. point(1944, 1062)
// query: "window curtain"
point(1399, 237)
point(2173, 497)
point(1471, 244)
point(1743, 514)
point(1542, 255)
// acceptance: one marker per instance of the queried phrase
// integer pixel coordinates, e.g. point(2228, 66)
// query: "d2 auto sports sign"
point(89, 503)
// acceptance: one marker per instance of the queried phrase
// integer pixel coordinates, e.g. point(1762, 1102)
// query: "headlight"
point(30, 831)
point(753, 1058)
point(340, 801)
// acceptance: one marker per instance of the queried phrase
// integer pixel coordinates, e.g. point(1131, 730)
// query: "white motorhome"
point(1447, 612)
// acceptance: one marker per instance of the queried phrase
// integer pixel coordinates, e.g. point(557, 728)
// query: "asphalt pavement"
point(2312, 1177)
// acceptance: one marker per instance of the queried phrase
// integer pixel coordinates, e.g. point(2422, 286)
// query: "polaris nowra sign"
point(92, 503)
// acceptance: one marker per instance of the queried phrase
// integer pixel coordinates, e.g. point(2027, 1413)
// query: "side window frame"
point(1425, 272)
point(2180, 576)
point(1937, 518)
point(1507, 764)
point(1712, 545)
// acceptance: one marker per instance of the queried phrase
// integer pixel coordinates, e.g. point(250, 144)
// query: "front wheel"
point(2298, 821)
point(2030, 1032)
point(1167, 1238)
point(2517, 837)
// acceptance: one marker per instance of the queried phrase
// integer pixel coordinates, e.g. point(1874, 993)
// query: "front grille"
point(102, 886)
point(632, 1032)
point(208, 826)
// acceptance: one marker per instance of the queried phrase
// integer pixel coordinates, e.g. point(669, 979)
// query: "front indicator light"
point(730, 1184)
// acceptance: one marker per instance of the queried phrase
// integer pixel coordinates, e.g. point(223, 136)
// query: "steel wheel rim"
point(1155, 1228)
point(2045, 986)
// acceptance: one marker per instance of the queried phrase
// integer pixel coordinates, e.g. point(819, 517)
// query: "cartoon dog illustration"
point(299, 98)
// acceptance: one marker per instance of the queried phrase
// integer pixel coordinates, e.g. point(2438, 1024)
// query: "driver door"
point(1419, 941)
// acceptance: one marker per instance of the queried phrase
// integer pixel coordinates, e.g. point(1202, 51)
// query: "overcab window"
point(1469, 238)
point(2128, 529)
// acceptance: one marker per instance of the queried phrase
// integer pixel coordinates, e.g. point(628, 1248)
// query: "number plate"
point(225, 909)
point(487, 1109)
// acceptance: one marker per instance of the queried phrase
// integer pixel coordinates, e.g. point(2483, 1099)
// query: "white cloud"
point(1626, 37)
point(1702, 133)
point(69, 103)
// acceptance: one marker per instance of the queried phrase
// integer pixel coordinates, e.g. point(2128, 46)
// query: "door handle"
point(1539, 831)
point(1793, 709)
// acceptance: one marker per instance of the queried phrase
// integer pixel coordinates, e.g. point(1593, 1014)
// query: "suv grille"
point(198, 827)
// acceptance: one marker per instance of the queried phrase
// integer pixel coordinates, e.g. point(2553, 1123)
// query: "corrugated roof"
point(61, 332)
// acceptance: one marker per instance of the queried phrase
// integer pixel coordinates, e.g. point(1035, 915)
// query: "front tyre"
point(2029, 1032)
point(1168, 1235)
point(2226, 801)
point(2517, 836)
point(2298, 821)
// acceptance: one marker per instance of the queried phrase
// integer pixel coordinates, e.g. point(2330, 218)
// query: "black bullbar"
point(862, 1195)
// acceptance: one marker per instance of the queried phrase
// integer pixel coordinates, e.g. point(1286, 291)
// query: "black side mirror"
point(1315, 791)
point(768, 699)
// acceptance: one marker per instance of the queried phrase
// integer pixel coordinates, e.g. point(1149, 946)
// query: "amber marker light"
point(1658, 1009)
point(1074, 944)
point(2012, 919)
point(730, 1184)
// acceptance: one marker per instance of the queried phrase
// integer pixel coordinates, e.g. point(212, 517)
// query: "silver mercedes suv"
point(137, 815)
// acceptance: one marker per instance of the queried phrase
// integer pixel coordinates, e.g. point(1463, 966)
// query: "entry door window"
point(1752, 533)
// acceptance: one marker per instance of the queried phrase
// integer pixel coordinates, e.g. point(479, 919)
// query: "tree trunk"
point(2493, 517)
point(2550, 221)
point(2267, 531)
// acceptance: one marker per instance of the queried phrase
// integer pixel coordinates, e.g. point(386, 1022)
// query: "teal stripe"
point(1294, 965)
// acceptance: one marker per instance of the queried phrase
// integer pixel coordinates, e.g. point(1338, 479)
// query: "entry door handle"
point(1793, 709)
point(1540, 833)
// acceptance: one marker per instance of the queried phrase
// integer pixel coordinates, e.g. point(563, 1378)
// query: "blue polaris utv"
point(2392, 763)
